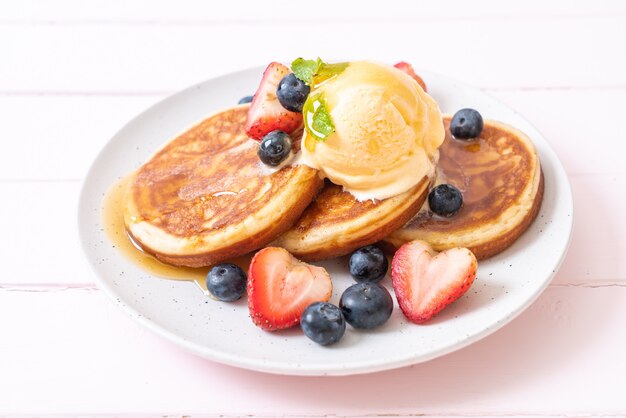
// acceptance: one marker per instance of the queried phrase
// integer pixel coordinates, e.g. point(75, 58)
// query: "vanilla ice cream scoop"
point(387, 131)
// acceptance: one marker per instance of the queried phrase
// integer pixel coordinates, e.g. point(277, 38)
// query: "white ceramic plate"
point(180, 312)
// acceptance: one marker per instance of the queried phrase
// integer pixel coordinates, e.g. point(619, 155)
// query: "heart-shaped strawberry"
point(280, 287)
point(425, 281)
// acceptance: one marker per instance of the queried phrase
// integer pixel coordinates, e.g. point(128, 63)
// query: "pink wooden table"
point(72, 73)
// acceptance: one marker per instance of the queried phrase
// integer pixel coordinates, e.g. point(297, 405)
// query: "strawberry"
point(280, 287)
point(425, 281)
point(266, 114)
point(408, 68)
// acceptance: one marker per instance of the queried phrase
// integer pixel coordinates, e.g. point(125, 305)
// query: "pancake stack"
point(205, 198)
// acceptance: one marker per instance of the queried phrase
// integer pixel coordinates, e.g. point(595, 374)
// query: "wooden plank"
point(44, 251)
point(142, 11)
point(105, 58)
point(573, 121)
point(74, 352)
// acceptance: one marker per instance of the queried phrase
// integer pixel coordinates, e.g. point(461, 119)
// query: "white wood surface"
point(72, 73)
point(75, 352)
point(105, 57)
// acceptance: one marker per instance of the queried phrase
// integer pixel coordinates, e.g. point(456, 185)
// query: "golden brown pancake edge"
point(449, 233)
point(205, 197)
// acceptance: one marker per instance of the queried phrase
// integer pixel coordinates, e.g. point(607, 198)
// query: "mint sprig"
point(327, 71)
point(313, 72)
point(306, 69)
point(317, 120)
point(322, 122)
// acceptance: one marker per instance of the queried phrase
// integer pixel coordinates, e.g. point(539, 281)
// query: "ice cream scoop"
point(387, 131)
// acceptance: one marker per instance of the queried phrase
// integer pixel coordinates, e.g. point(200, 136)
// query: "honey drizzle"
point(113, 223)
point(491, 172)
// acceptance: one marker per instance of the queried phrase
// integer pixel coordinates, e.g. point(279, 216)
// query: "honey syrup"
point(113, 222)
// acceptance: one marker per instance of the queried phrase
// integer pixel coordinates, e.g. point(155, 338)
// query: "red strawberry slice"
point(280, 287)
point(266, 114)
point(408, 68)
point(425, 281)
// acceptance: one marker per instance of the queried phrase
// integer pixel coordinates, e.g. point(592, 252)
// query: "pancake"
point(336, 223)
point(499, 175)
point(205, 197)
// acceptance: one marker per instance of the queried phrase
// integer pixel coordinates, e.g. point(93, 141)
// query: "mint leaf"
point(317, 120)
point(306, 69)
point(322, 122)
point(327, 71)
point(314, 72)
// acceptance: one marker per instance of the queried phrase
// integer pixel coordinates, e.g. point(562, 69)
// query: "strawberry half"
point(266, 114)
point(280, 287)
point(425, 281)
point(408, 68)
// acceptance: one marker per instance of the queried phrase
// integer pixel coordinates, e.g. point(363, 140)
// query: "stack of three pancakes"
point(205, 198)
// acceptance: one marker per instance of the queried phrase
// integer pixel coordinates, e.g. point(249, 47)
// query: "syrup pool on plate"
point(113, 222)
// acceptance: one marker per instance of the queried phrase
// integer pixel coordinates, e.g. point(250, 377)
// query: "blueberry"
point(292, 92)
point(245, 99)
point(445, 200)
point(466, 124)
point(323, 323)
point(226, 281)
point(274, 148)
point(366, 305)
point(368, 264)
